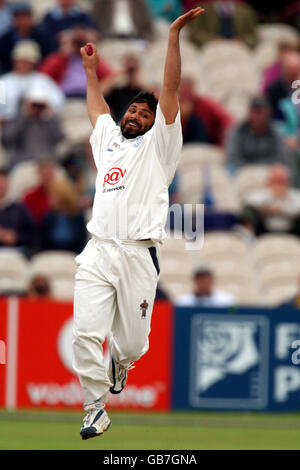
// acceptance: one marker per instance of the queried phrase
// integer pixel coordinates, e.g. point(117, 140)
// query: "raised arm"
point(95, 101)
point(168, 99)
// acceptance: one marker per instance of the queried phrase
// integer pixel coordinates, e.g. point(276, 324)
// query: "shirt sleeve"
point(168, 143)
point(104, 129)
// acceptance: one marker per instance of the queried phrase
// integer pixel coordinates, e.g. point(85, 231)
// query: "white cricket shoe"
point(95, 422)
point(118, 375)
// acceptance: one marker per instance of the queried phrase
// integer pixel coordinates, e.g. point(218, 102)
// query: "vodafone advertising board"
point(3, 349)
point(44, 376)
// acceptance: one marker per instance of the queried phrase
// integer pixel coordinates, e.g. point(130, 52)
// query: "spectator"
point(5, 17)
point(65, 66)
point(122, 93)
point(39, 288)
point(80, 169)
point(225, 19)
point(37, 200)
point(23, 78)
point(123, 19)
point(275, 208)
point(16, 225)
point(63, 227)
point(23, 28)
point(274, 71)
point(204, 292)
point(35, 132)
point(256, 140)
point(282, 89)
point(168, 10)
point(203, 119)
point(66, 15)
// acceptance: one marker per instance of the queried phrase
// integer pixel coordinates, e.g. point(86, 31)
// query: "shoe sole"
point(112, 389)
point(85, 436)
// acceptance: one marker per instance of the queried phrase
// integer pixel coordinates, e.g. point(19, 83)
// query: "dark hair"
point(145, 97)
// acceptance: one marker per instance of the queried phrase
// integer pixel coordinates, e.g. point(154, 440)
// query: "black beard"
point(130, 134)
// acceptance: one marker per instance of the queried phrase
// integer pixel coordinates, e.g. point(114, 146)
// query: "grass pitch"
point(44, 430)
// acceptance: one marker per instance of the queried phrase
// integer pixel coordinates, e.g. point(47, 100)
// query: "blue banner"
point(236, 359)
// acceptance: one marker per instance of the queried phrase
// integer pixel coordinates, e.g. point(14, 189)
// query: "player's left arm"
point(168, 99)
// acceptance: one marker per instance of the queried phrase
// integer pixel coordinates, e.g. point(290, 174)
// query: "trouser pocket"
point(153, 254)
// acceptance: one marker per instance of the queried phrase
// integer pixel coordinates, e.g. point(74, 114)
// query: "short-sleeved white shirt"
point(131, 200)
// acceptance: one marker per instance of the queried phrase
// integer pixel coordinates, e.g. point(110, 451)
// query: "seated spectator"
point(203, 119)
point(39, 288)
point(64, 226)
point(35, 132)
point(123, 19)
point(37, 200)
point(23, 28)
point(122, 93)
point(5, 17)
point(65, 66)
point(282, 87)
point(274, 209)
point(23, 78)
point(224, 19)
point(256, 140)
point(66, 15)
point(204, 292)
point(274, 71)
point(168, 10)
point(16, 226)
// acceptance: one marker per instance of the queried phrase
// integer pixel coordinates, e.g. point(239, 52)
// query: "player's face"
point(137, 120)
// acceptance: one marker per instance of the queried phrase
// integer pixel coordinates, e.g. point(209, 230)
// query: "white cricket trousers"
point(113, 284)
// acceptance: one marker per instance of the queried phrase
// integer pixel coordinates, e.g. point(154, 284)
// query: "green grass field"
point(155, 431)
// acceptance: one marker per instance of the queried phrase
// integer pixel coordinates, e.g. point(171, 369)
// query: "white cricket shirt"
point(131, 200)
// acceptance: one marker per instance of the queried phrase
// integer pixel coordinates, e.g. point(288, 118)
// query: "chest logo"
point(113, 176)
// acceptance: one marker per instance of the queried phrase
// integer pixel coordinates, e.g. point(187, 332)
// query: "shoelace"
point(89, 409)
point(124, 369)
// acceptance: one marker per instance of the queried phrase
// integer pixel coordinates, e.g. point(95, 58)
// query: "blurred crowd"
point(47, 174)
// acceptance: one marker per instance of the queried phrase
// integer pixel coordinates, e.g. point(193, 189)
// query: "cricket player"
point(118, 270)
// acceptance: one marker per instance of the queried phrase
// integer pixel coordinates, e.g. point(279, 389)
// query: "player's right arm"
point(95, 100)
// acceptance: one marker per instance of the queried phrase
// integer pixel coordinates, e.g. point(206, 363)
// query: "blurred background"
point(225, 323)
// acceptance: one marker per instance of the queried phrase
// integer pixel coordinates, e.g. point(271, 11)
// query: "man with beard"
point(118, 270)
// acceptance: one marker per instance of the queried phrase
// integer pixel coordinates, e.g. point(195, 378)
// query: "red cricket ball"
point(89, 50)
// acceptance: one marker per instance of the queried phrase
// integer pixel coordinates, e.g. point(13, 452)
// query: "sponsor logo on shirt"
point(138, 141)
point(113, 176)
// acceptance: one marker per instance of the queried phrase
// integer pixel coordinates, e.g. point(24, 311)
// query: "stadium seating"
point(14, 271)
point(54, 264)
point(249, 178)
point(24, 176)
point(196, 155)
point(76, 124)
point(271, 247)
point(60, 268)
point(276, 33)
